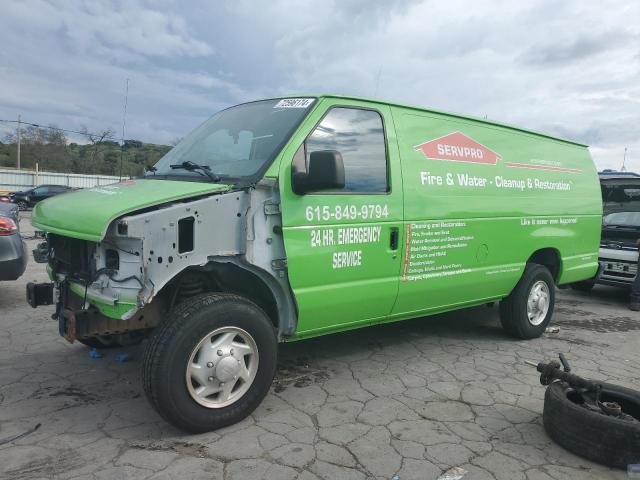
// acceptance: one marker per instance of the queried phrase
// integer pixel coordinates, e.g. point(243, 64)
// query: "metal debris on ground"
point(454, 473)
point(552, 330)
point(582, 415)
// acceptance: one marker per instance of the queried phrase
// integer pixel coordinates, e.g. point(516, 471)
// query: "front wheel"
point(23, 205)
point(211, 363)
point(527, 311)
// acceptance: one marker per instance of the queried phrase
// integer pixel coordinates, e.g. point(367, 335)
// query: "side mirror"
point(326, 172)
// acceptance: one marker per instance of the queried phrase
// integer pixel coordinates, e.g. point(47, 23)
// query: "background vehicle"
point(620, 229)
point(28, 198)
point(284, 219)
point(13, 257)
point(10, 210)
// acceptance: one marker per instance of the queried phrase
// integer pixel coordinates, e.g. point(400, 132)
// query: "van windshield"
point(235, 144)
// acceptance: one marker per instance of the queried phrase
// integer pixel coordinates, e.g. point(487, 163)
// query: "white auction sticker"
point(294, 103)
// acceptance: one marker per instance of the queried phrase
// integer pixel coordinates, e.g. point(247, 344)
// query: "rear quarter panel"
point(471, 225)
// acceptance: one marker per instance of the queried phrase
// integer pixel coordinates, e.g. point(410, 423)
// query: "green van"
point(284, 219)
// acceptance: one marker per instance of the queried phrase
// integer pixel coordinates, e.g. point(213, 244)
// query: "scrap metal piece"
point(454, 473)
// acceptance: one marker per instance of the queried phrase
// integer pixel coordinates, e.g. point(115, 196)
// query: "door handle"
point(393, 238)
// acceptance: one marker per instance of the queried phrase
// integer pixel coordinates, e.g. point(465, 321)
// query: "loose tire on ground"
point(603, 439)
point(515, 309)
point(170, 351)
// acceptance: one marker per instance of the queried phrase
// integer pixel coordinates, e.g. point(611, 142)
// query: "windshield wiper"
point(203, 170)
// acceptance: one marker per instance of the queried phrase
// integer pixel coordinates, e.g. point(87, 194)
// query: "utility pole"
point(124, 122)
point(624, 161)
point(18, 159)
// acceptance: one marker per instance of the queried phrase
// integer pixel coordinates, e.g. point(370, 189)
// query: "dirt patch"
point(183, 448)
point(573, 311)
point(50, 466)
point(602, 325)
point(74, 393)
point(299, 374)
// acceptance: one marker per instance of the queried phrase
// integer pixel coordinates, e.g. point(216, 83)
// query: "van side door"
point(342, 237)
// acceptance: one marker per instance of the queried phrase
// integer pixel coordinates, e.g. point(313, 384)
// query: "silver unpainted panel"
point(243, 228)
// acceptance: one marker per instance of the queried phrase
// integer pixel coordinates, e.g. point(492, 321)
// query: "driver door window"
point(358, 135)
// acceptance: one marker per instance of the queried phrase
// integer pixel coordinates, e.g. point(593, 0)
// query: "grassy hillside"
point(51, 150)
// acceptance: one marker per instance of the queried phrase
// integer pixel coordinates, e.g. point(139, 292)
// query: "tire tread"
point(176, 320)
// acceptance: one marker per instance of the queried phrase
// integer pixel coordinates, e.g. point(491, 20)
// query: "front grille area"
point(619, 270)
point(71, 256)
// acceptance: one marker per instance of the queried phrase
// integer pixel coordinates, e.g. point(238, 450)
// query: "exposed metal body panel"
point(242, 228)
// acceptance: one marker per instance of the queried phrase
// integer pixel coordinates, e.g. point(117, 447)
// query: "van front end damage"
point(151, 259)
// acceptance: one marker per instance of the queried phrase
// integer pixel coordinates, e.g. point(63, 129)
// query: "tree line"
point(52, 151)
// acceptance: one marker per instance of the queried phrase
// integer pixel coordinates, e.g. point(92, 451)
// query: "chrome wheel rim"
point(222, 367)
point(538, 303)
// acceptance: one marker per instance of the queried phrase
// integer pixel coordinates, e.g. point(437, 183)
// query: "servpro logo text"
point(457, 147)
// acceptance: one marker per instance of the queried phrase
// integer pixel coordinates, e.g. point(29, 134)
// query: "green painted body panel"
point(86, 214)
point(108, 309)
point(459, 244)
point(315, 282)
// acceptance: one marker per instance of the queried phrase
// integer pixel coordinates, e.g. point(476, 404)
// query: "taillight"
point(7, 226)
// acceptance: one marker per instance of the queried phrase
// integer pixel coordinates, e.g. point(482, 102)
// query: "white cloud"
point(567, 68)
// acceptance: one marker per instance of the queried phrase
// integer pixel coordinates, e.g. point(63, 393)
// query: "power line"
point(86, 134)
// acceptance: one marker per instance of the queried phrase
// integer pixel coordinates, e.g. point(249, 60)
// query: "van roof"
point(456, 115)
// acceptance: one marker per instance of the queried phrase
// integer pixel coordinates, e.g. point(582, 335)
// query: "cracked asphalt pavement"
point(411, 399)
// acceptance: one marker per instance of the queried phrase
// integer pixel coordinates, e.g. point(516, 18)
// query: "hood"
point(86, 214)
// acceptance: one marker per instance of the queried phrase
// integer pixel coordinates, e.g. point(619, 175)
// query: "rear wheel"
point(527, 311)
point(22, 205)
point(211, 363)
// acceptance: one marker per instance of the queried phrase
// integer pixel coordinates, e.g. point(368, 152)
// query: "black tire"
point(168, 350)
point(585, 286)
point(513, 309)
point(603, 439)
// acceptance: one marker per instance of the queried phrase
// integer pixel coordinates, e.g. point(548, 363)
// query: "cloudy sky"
point(569, 68)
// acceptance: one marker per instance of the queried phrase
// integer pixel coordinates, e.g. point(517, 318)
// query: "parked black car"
point(13, 256)
point(28, 198)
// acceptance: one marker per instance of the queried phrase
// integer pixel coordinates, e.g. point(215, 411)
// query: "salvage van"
point(284, 219)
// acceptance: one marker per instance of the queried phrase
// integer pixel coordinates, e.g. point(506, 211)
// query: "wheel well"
point(548, 257)
point(222, 277)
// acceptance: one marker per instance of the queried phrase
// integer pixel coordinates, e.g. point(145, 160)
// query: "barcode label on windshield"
point(294, 103)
